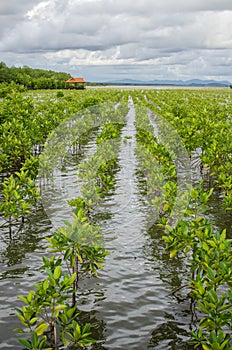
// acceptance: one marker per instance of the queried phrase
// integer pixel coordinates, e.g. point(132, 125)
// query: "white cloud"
point(171, 38)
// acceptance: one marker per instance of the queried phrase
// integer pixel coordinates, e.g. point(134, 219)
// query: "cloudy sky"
point(118, 39)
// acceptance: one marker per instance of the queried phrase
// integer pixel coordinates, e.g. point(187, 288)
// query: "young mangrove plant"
point(209, 257)
point(50, 314)
point(47, 314)
point(20, 195)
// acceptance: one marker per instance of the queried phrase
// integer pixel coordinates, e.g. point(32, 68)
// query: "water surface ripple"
point(129, 305)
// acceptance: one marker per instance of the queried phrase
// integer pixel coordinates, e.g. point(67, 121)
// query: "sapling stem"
point(179, 288)
point(75, 283)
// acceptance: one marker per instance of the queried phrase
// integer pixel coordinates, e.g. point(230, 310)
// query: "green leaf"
point(71, 312)
point(57, 273)
point(193, 193)
point(72, 278)
point(60, 307)
point(223, 236)
point(173, 253)
point(86, 342)
point(49, 272)
point(205, 347)
point(42, 343)
point(30, 295)
point(34, 338)
point(210, 273)
point(45, 284)
point(25, 343)
point(41, 329)
point(212, 337)
point(77, 330)
point(205, 246)
point(24, 299)
point(33, 321)
point(67, 254)
point(18, 330)
point(86, 328)
point(223, 345)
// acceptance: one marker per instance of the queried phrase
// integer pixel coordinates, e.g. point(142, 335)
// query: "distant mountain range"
point(192, 82)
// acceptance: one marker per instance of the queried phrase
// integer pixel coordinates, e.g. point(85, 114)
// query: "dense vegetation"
point(62, 122)
point(203, 120)
point(32, 78)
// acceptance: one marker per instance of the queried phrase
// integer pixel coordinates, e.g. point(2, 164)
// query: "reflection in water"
point(129, 305)
point(138, 276)
point(221, 218)
point(20, 260)
point(169, 335)
point(27, 240)
point(173, 272)
point(216, 212)
point(98, 328)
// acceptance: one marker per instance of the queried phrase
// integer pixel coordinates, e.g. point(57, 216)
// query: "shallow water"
point(129, 305)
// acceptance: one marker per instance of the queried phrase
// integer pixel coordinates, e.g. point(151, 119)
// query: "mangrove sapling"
point(30, 166)
point(79, 203)
point(20, 195)
point(97, 173)
point(208, 252)
point(203, 121)
point(79, 244)
point(209, 256)
point(156, 162)
point(47, 315)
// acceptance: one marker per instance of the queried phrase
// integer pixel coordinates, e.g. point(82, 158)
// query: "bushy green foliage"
point(201, 119)
point(50, 314)
point(204, 122)
point(32, 78)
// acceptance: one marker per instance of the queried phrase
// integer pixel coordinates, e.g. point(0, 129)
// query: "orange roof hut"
point(76, 83)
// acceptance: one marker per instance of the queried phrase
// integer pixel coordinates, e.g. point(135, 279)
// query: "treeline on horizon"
point(33, 78)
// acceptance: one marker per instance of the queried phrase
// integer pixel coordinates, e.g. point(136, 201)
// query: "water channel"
point(130, 304)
